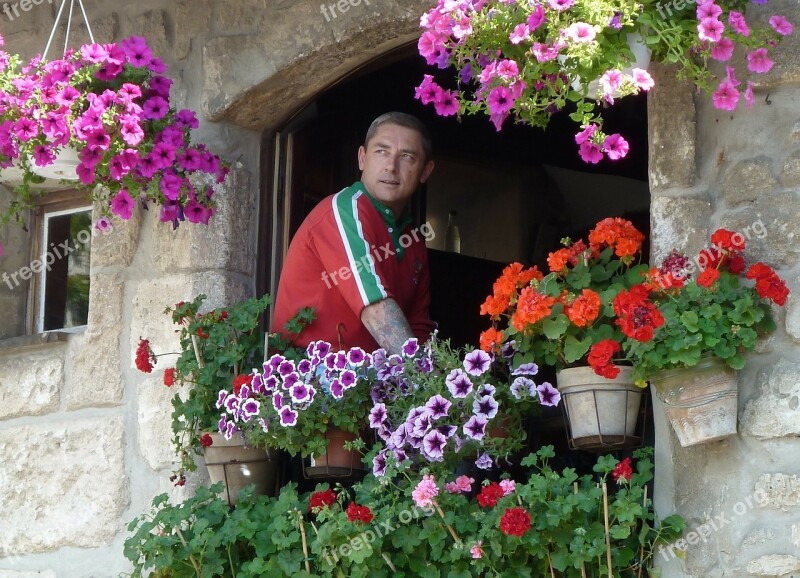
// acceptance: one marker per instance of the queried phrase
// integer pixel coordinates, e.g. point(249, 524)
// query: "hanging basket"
point(601, 413)
point(238, 466)
point(336, 462)
point(701, 402)
point(64, 167)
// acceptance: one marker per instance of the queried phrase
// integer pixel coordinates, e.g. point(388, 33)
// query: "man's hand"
point(387, 324)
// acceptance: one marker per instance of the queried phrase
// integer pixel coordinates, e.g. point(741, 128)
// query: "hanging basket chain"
point(69, 26)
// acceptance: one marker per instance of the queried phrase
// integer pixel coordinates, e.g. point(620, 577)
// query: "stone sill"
point(14, 344)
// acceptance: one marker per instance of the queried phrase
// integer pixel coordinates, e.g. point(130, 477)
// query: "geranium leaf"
point(575, 349)
point(555, 328)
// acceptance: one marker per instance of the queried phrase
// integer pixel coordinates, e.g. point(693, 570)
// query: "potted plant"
point(109, 107)
point(447, 409)
point(711, 317)
point(530, 60)
point(574, 319)
point(555, 524)
point(218, 348)
point(311, 405)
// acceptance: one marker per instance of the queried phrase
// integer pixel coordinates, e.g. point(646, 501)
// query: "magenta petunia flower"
point(122, 205)
point(157, 65)
point(163, 155)
point(86, 173)
point(722, 50)
point(544, 52)
point(615, 146)
point(288, 416)
point(520, 34)
point(160, 86)
point(187, 118)
point(781, 25)
point(155, 108)
point(738, 23)
point(170, 185)
point(43, 155)
point(26, 128)
point(759, 61)
point(67, 95)
point(590, 152)
point(127, 92)
point(537, 17)
point(197, 213)
point(726, 96)
point(137, 51)
point(507, 69)
point(708, 10)
point(131, 132)
point(710, 29)
point(94, 53)
point(446, 103)
point(748, 95)
point(585, 134)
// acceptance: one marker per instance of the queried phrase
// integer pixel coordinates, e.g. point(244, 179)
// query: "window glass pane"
point(66, 283)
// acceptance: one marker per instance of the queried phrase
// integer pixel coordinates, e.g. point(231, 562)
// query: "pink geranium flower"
point(425, 492)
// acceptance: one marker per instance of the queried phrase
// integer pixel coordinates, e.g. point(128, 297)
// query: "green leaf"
point(689, 320)
point(575, 349)
point(555, 328)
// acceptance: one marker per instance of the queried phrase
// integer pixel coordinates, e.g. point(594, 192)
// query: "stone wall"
point(740, 495)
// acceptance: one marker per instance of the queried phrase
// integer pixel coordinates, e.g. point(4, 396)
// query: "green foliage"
point(263, 536)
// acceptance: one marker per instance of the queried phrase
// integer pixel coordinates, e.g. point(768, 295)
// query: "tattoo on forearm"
point(387, 324)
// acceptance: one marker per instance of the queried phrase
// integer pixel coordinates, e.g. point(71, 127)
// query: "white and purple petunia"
point(484, 462)
point(377, 415)
point(277, 400)
point(270, 384)
point(337, 389)
point(304, 367)
point(421, 424)
point(286, 367)
point(446, 430)
point(477, 362)
point(425, 364)
point(509, 349)
point(379, 464)
point(485, 389)
point(271, 365)
point(264, 424)
point(548, 395)
point(322, 348)
point(485, 407)
point(433, 446)
point(231, 403)
point(410, 347)
point(223, 424)
point(230, 430)
point(348, 378)
point(526, 369)
point(257, 383)
point(299, 393)
point(476, 427)
point(356, 357)
point(340, 361)
point(400, 456)
point(439, 406)
point(458, 383)
point(221, 398)
point(522, 387)
point(291, 379)
point(250, 408)
point(288, 416)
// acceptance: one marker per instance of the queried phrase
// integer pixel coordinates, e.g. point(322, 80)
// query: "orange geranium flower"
point(491, 339)
point(585, 309)
point(531, 307)
point(495, 306)
point(557, 260)
point(617, 233)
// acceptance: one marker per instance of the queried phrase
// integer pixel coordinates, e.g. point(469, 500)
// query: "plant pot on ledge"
point(701, 402)
point(336, 462)
point(238, 466)
point(601, 413)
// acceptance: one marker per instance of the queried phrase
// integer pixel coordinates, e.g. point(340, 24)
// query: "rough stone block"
point(31, 383)
point(778, 491)
point(65, 485)
point(786, 69)
point(778, 218)
point(155, 418)
point(774, 565)
point(27, 574)
point(795, 134)
point(796, 535)
point(793, 316)
point(678, 223)
point(193, 20)
point(117, 247)
point(773, 412)
point(155, 23)
point(245, 16)
point(672, 141)
point(790, 175)
point(748, 180)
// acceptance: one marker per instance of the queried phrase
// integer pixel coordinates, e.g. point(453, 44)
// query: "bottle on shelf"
point(452, 239)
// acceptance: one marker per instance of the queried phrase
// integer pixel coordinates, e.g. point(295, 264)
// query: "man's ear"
point(426, 172)
point(362, 155)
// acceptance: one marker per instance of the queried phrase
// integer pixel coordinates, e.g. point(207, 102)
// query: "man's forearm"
point(387, 324)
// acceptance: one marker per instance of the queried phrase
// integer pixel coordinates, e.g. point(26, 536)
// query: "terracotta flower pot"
point(336, 461)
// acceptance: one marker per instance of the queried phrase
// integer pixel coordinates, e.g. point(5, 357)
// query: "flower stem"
point(199, 359)
point(449, 527)
point(608, 535)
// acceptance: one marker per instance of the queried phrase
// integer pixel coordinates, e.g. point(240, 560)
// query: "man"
point(357, 259)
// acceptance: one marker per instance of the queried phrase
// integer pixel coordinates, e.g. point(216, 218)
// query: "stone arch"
point(258, 81)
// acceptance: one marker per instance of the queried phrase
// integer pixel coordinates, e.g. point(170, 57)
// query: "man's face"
point(393, 165)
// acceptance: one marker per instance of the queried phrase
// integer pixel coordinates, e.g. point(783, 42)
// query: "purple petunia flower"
point(379, 464)
point(230, 430)
point(277, 400)
point(337, 389)
point(484, 462)
point(223, 424)
point(526, 369)
point(270, 384)
point(522, 386)
point(257, 383)
point(299, 393)
point(251, 407)
point(340, 361)
point(548, 395)
point(231, 403)
point(425, 364)
point(508, 349)
point(485, 407)
point(399, 436)
point(304, 367)
point(446, 430)
point(348, 378)
point(439, 406)
point(377, 415)
point(485, 389)
point(288, 416)
point(400, 456)
point(433, 446)
point(122, 205)
point(458, 383)
point(356, 357)
point(286, 367)
point(322, 348)
point(221, 398)
point(421, 424)
point(187, 118)
point(290, 380)
point(476, 427)
point(410, 347)
point(477, 362)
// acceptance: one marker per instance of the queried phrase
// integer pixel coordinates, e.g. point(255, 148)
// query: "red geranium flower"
point(728, 240)
point(759, 271)
point(356, 513)
point(241, 380)
point(600, 358)
point(169, 376)
point(490, 494)
point(622, 470)
point(636, 315)
point(144, 356)
point(708, 277)
point(772, 287)
point(206, 440)
point(321, 500)
point(515, 522)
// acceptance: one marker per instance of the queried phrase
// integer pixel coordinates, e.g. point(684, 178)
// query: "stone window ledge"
point(14, 344)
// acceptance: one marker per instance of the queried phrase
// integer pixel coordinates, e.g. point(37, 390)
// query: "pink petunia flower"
point(43, 155)
point(722, 50)
point(726, 97)
point(520, 34)
point(642, 79)
point(615, 146)
point(500, 100)
point(580, 32)
point(708, 10)
point(710, 29)
point(560, 5)
point(585, 134)
point(748, 95)
point(781, 25)
point(155, 108)
point(446, 103)
point(738, 23)
point(759, 61)
point(590, 152)
point(122, 205)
